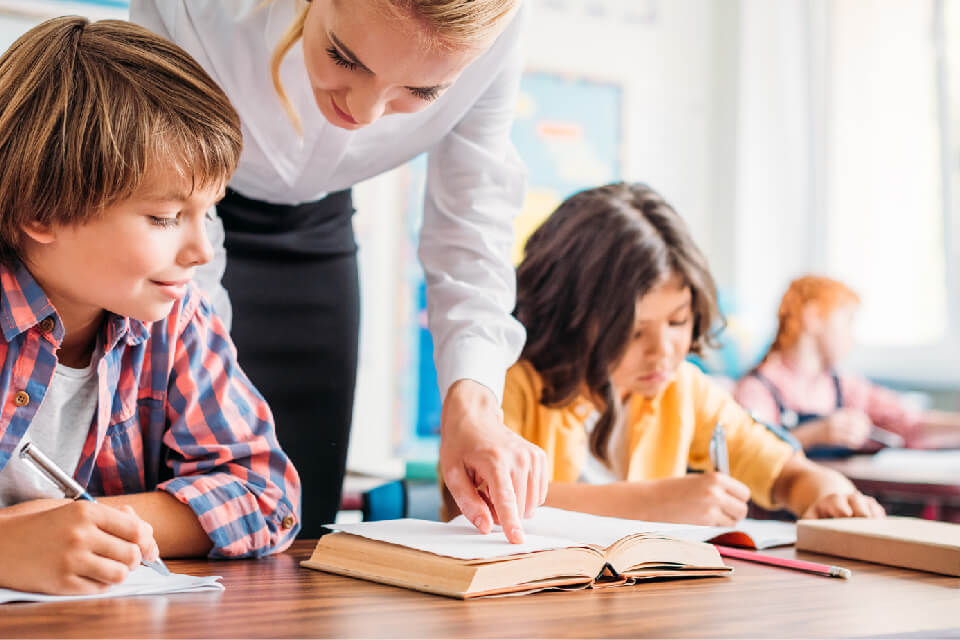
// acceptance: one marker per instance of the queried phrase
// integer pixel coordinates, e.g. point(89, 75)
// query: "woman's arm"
point(475, 188)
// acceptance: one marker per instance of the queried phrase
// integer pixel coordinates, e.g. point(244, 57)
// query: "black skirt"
point(293, 282)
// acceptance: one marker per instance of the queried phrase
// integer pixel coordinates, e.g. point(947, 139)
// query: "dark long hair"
point(583, 270)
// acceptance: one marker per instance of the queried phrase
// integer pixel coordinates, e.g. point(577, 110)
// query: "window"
point(890, 180)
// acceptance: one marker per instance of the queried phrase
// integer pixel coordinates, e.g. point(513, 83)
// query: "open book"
point(584, 527)
point(562, 549)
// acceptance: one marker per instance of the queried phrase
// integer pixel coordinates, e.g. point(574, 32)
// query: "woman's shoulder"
point(210, 25)
point(168, 9)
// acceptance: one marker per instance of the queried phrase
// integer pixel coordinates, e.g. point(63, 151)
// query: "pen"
point(70, 488)
point(718, 450)
point(787, 563)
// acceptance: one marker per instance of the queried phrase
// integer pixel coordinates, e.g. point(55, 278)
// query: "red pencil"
point(786, 563)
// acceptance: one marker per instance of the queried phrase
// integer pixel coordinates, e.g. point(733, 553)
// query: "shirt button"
point(47, 324)
point(288, 522)
point(22, 398)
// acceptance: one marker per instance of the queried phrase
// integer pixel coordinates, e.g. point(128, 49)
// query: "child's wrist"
point(33, 506)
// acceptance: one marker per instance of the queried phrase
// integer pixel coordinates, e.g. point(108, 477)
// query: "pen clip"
point(718, 450)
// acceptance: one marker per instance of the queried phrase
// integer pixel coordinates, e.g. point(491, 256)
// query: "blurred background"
point(794, 136)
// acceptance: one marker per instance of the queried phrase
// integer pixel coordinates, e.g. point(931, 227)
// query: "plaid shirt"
point(175, 413)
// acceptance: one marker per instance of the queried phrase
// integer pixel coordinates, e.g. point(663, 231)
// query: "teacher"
point(330, 93)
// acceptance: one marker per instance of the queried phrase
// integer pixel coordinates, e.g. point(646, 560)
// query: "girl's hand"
point(77, 549)
point(493, 474)
point(838, 505)
point(710, 498)
point(845, 428)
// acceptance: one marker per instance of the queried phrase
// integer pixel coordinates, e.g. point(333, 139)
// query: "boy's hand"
point(711, 498)
point(77, 549)
point(851, 505)
point(493, 474)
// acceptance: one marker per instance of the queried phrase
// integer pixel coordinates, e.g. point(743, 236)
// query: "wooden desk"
point(276, 598)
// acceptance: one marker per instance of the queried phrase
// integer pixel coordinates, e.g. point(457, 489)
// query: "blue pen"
point(71, 489)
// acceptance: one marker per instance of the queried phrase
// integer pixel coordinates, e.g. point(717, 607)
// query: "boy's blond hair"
point(87, 109)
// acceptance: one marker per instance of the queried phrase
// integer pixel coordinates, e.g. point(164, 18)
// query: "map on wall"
point(568, 132)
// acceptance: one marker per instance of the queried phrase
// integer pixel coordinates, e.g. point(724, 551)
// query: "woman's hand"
point(493, 474)
point(849, 505)
point(80, 548)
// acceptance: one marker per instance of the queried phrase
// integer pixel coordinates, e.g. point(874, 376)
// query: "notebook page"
point(768, 533)
point(143, 581)
point(456, 539)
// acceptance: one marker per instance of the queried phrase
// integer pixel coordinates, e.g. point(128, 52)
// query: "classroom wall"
point(726, 113)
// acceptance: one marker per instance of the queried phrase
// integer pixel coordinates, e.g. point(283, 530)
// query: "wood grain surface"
point(275, 597)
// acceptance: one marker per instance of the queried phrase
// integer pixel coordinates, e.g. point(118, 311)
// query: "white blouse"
point(475, 181)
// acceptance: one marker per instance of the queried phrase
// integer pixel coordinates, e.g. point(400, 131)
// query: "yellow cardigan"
point(665, 435)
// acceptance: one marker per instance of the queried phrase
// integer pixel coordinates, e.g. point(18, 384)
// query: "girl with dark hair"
point(614, 295)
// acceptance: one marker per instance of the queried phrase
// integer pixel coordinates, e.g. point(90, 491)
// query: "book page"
point(455, 539)
point(585, 528)
point(143, 581)
point(548, 529)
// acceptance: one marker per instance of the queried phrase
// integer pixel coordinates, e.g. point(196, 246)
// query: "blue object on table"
point(386, 502)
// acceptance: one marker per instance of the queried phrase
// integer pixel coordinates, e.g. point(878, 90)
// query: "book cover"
point(912, 543)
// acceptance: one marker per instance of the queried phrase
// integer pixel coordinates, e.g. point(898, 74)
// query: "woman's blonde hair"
point(451, 24)
point(826, 294)
point(87, 109)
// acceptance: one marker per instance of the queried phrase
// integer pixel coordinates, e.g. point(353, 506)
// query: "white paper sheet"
point(585, 528)
point(143, 581)
point(944, 460)
point(549, 529)
point(456, 539)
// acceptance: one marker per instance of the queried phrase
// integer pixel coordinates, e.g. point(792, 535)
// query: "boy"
point(114, 144)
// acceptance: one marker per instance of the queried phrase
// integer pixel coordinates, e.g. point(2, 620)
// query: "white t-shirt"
point(475, 181)
point(59, 429)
